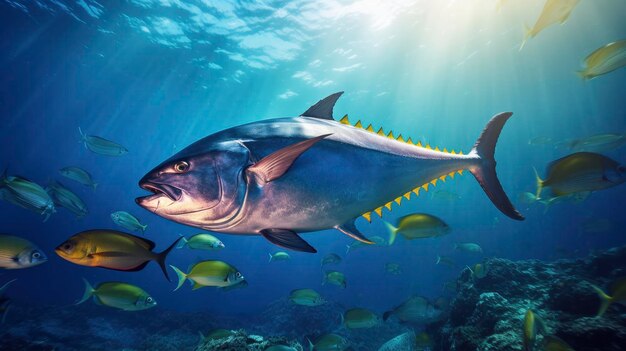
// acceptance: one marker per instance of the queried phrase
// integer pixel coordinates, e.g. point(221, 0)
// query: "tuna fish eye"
point(181, 167)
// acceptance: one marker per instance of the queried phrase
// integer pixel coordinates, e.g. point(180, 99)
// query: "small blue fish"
point(101, 146)
point(128, 221)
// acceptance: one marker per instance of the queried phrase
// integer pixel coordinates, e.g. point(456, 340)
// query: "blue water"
point(156, 76)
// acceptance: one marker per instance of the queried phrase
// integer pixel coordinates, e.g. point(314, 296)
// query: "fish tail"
point(4, 287)
point(583, 75)
point(606, 300)
point(528, 33)
point(182, 243)
point(539, 184)
point(161, 258)
point(89, 290)
point(94, 186)
point(181, 277)
point(311, 346)
point(143, 228)
point(271, 257)
point(393, 232)
point(485, 170)
point(347, 248)
point(386, 315)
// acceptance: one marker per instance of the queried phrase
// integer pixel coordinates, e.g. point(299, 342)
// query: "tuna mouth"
point(172, 192)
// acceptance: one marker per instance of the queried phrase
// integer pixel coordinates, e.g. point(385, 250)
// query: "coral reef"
point(488, 313)
point(240, 341)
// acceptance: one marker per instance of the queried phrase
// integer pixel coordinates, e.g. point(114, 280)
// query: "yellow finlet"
point(368, 216)
point(451, 174)
point(416, 191)
point(410, 141)
point(453, 152)
point(398, 200)
point(381, 131)
point(460, 152)
point(428, 147)
point(443, 177)
point(407, 195)
point(460, 171)
point(369, 128)
point(419, 143)
point(445, 150)
point(425, 187)
point(379, 212)
point(437, 148)
point(400, 138)
point(344, 120)
point(390, 135)
point(358, 124)
point(388, 205)
point(433, 182)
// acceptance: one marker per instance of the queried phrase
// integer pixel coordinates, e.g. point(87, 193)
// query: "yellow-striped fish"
point(604, 60)
point(16, 253)
point(554, 11)
point(123, 296)
point(112, 250)
point(209, 273)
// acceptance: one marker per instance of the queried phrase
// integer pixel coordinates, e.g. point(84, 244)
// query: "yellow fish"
point(417, 226)
point(618, 294)
point(123, 296)
point(357, 318)
point(581, 172)
point(16, 253)
point(552, 343)
point(604, 60)
point(554, 11)
point(112, 250)
point(530, 331)
point(209, 273)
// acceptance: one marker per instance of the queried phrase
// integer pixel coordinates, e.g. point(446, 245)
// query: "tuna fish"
point(285, 176)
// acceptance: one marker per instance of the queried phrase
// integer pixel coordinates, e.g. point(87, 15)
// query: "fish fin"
point(5, 286)
point(311, 346)
point(605, 299)
point(89, 290)
point(134, 269)
point(182, 243)
point(143, 228)
point(94, 186)
point(288, 239)
point(197, 286)
point(161, 258)
point(108, 254)
point(485, 170)
point(181, 277)
point(539, 184)
point(349, 228)
point(4, 313)
point(276, 164)
point(438, 259)
point(386, 315)
point(271, 257)
point(347, 249)
point(393, 232)
point(324, 108)
point(527, 35)
point(583, 75)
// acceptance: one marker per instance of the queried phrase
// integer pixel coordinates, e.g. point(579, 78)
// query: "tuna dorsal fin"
point(276, 164)
point(324, 108)
point(350, 230)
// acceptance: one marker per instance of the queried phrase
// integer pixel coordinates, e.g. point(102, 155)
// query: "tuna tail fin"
point(485, 170)
point(393, 232)
point(89, 290)
point(388, 314)
point(606, 300)
point(161, 258)
point(182, 243)
point(181, 277)
point(539, 184)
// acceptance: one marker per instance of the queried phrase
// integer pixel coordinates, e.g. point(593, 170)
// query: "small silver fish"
point(78, 174)
point(468, 247)
point(128, 221)
point(26, 194)
point(101, 146)
point(64, 197)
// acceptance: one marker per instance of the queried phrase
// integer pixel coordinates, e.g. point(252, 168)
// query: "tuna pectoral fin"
point(160, 258)
point(485, 169)
point(350, 230)
point(276, 164)
point(287, 239)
